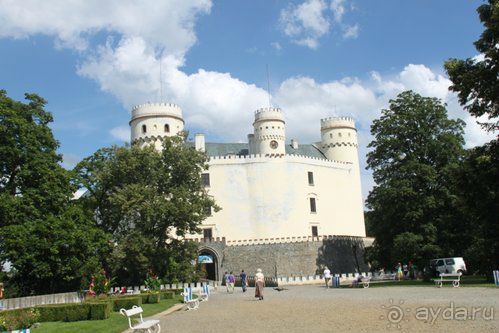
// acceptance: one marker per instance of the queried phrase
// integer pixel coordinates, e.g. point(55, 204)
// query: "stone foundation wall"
point(341, 254)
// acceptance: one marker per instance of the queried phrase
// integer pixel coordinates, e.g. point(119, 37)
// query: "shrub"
point(153, 298)
point(18, 319)
point(167, 294)
point(64, 312)
point(126, 302)
point(145, 298)
point(99, 310)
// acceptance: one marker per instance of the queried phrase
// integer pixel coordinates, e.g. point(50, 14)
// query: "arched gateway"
point(208, 261)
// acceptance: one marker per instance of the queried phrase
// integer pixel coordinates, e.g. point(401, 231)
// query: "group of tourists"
point(406, 271)
point(230, 281)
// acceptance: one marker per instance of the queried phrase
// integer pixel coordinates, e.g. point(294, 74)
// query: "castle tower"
point(269, 132)
point(152, 122)
point(339, 139)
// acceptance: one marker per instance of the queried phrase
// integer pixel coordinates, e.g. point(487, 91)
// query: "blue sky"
point(93, 60)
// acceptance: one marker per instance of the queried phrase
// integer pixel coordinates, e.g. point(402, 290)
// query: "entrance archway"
point(208, 263)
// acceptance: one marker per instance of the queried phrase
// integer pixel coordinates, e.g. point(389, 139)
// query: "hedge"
point(126, 302)
point(167, 294)
point(99, 310)
point(63, 312)
point(18, 319)
point(153, 298)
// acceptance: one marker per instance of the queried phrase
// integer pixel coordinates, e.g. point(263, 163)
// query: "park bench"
point(455, 278)
point(148, 325)
point(191, 303)
point(204, 293)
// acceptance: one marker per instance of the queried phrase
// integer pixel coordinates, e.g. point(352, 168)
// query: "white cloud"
point(351, 31)
point(305, 23)
point(168, 25)
point(338, 8)
point(121, 133)
point(276, 45)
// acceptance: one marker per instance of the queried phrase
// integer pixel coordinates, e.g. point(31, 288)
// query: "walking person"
point(259, 284)
point(399, 271)
point(244, 280)
point(327, 276)
point(232, 281)
point(226, 280)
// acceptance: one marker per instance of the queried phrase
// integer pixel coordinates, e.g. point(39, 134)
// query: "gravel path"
point(316, 309)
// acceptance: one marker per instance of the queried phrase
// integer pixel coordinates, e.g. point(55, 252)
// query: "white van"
point(449, 265)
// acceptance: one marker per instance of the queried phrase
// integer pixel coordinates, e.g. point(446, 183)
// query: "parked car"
point(448, 265)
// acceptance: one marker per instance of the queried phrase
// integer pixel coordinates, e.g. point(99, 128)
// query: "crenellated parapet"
point(337, 122)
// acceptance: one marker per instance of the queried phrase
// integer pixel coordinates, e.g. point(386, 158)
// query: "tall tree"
point(158, 195)
point(476, 80)
point(32, 182)
point(414, 150)
point(48, 241)
point(477, 189)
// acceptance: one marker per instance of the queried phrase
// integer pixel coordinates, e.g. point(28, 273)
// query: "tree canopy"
point(155, 195)
point(476, 80)
point(48, 241)
point(414, 151)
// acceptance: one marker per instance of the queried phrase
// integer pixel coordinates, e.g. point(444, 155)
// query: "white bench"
point(455, 278)
point(148, 325)
point(191, 303)
point(204, 293)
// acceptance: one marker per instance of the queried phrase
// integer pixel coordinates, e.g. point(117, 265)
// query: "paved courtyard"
point(316, 309)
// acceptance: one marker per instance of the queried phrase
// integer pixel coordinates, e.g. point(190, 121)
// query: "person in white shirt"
point(327, 276)
point(259, 284)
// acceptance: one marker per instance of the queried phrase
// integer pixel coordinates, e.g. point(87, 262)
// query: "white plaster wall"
point(263, 197)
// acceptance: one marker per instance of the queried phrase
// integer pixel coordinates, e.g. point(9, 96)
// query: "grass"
point(466, 281)
point(116, 323)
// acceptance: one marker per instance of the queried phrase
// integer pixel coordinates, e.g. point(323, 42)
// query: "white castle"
point(268, 189)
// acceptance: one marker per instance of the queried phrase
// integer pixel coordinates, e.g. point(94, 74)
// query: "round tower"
point(152, 122)
point(339, 139)
point(269, 132)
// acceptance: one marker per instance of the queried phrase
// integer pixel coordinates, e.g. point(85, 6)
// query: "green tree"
point(32, 182)
point(49, 242)
point(477, 187)
point(156, 194)
point(477, 81)
point(414, 151)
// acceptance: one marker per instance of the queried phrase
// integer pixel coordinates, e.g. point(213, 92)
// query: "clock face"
point(273, 144)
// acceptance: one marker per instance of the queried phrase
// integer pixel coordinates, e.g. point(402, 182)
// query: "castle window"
point(348, 134)
point(331, 135)
point(167, 128)
point(339, 134)
point(205, 178)
point(207, 210)
point(315, 231)
point(208, 233)
point(272, 127)
point(266, 127)
point(310, 178)
point(313, 207)
point(144, 129)
point(155, 127)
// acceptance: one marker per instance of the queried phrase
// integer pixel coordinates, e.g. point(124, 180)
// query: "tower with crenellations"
point(339, 139)
point(269, 132)
point(151, 122)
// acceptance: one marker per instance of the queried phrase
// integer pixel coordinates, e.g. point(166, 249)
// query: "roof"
point(223, 149)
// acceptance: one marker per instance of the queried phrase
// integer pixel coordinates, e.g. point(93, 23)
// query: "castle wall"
point(293, 258)
point(269, 197)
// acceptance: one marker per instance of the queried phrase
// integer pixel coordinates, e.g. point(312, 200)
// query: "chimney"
point(199, 142)
point(251, 143)
point(294, 143)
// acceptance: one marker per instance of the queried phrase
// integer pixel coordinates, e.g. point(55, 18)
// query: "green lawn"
point(115, 324)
